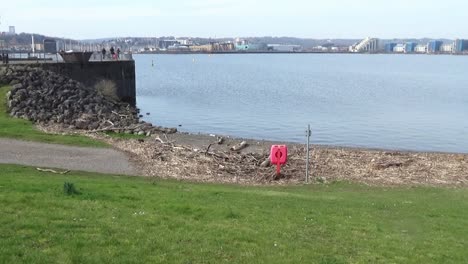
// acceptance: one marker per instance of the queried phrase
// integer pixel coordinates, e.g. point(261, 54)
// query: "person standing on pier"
point(103, 53)
point(112, 52)
point(118, 53)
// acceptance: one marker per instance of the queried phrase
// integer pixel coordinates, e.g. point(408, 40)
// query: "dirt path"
point(65, 157)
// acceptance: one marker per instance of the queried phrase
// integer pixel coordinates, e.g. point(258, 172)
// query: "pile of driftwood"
point(162, 157)
point(230, 165)
point(245, 163)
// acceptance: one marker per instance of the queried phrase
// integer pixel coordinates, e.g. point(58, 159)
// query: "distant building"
point(283, 48)
point(38, 47)
point(242, 44)
point(446, 48)
point(366, 45)
point(11, 30)
point(202, 48)
point(409, 47)
point(224, 46)
point(434, 46)
point(242, 47)
point(50, 46)
point(185, 42)
point(420, 48)
point(460, 46)
point(165, 44)
point(399, 48)
point(389, 47)
point(178, 47)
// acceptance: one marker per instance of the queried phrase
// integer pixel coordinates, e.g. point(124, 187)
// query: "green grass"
point(118, 219)
point(24, 130)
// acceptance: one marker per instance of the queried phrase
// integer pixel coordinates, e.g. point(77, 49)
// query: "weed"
point(108, 89)
point(69, 188)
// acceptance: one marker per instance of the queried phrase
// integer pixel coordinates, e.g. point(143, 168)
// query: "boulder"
point(46, 97)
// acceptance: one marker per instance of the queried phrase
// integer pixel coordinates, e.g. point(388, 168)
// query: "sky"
point(321, 19)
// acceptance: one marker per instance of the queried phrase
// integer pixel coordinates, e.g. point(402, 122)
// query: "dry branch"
point(265, 163)
point(53, 171)
point(240, 146)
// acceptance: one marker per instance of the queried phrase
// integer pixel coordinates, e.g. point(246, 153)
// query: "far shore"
point(292, 52)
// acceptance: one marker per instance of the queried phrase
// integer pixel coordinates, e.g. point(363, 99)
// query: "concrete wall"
point(121, 73)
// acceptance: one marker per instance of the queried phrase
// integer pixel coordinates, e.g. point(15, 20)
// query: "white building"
point(185, 42)
point(366, 45)
point(446, 48)
point(420, 49)
point(400, 48)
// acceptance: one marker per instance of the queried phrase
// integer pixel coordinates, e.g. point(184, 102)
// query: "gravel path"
point(65, 157)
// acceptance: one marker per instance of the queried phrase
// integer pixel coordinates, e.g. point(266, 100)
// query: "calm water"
point(379, 101)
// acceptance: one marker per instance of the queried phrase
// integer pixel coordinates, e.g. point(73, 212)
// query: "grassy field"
point(119, 219)
point(24, 130)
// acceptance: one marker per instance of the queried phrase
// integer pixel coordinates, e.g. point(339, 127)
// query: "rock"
point(81, 124)
point(171, 130)
point(16, 86)
point(93, 126)
point(44, 96)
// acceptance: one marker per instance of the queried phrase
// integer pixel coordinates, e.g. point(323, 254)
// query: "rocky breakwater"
point(45, 97)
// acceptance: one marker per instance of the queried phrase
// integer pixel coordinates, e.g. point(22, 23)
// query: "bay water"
point(401, 102)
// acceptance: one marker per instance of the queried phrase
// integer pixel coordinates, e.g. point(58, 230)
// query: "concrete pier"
point(119, 73)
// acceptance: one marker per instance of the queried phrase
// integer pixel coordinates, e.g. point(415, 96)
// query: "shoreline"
point(328, 146)
point(198, 158)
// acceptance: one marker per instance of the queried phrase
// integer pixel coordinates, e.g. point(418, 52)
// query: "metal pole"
point(308, 134)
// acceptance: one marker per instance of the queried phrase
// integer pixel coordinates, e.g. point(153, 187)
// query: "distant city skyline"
point(230, 18)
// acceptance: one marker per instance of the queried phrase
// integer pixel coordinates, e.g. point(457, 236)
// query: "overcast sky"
point(83, 19)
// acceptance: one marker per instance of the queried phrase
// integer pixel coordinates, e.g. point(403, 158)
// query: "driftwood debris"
point(388, 164)
point(208, 149)
point(53, 171)
point(194, 161)
point(240, 146)
point(112, 129)
point(265, 163)
point(120, 115)
point(159, 140)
